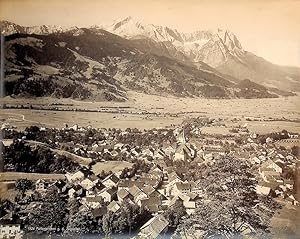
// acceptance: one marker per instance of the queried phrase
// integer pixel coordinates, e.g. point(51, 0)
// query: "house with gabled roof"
point(40, 186)
point(156, 168)
point(123, 194)
point(135, 191)
point(75, 191)
point(78, 176)
point(292, 200)
point(181, 188)
point(96, 189)
point(87, 172)
point(153, 180)
point(268, 188)
point(154, 228)
point(137, 194)
point(62, 186)
point(213, 151)
point(87, 183)
point(174, 178)
point(270, 175)
point(263, 190)
point(188, 201)
point(159, 154)
point(109, 194)
point(99, 186)
point(113, 206)
point(157, 193)
point(184, 152)
point(270, 164)
point(110, 181)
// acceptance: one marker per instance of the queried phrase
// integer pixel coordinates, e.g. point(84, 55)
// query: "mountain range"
point(104, 62)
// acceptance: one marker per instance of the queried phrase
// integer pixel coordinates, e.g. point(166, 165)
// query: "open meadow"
point(149, 111)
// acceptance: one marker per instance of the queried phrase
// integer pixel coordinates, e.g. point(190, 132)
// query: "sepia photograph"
point(150, 119)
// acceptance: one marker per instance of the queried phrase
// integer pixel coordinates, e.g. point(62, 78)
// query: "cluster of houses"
point(275, 176)
point(177, 151)
point(155, 191)
point(109, 148)
point(161, 187)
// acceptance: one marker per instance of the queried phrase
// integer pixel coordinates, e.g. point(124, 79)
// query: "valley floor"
point(148, 111)
point(238, 117)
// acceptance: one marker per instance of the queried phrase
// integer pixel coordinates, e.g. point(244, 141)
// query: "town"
point(157, 183)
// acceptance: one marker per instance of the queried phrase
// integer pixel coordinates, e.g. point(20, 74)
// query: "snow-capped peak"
point(44, 29)
point(211, 47)
point(8, 28)
point(220, 44)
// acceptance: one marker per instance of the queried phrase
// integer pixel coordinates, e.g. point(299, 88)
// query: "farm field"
point(147, 111)
point(259, 127)
point(52, 119)
point(13, 176)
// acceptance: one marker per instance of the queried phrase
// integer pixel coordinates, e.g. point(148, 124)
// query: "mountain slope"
point(95, 64)
point(211, 47)
point(263, 72)
point(220, 49)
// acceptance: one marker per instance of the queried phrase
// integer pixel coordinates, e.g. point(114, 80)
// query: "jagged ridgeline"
point(94, 64)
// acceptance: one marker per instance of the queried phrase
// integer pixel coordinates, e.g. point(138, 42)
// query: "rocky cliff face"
point(220, 49)
point(211, 47)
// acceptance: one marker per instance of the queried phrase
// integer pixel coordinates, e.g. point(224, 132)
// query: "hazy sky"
point(268, 28)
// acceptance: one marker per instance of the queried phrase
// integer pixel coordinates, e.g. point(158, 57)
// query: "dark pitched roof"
point(183, 186)
point(99, 186)
point(112, 191)
point(192, 196)
point(113, 178)
point(77, 187)
point(157, 194)
point(86, 171)
point(60, 184)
